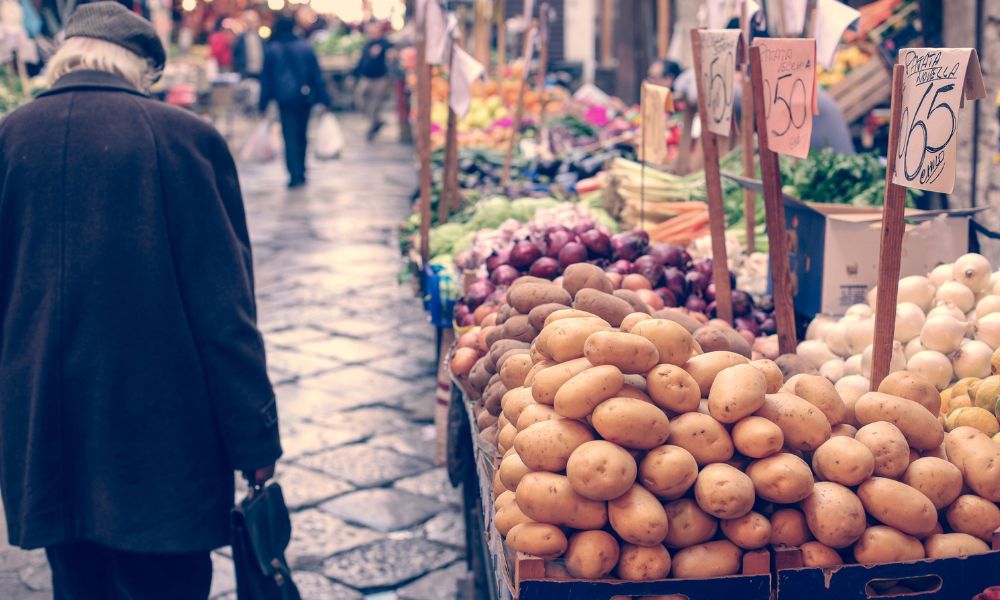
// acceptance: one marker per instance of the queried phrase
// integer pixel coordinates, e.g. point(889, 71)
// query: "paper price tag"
point(788, 69)
point(655, 102)
point(721, 51)
point(936, 82)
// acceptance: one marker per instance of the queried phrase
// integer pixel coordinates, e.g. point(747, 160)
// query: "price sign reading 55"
point(788, 70)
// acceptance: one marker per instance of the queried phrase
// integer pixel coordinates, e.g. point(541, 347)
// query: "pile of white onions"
point(947, 327)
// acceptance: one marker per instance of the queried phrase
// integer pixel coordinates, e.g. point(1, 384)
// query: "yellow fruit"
point(987, 393)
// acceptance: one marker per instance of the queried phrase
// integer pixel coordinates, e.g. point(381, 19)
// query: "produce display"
point(645, 444)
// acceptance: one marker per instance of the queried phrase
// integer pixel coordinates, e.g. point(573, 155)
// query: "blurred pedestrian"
point(248, 51)
point(220, 44)
point(132, 373)
point(293, 79)
point(372, 72)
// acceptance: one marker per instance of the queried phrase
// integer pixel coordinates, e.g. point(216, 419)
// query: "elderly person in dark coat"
point(132, 374)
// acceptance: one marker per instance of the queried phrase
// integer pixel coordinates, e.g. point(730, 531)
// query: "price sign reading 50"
point(721, 51)
point(788, 70)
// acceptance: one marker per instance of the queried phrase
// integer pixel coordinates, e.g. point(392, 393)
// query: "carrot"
point(682, 222)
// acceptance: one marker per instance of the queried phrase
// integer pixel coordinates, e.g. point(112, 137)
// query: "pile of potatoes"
point(630, 451)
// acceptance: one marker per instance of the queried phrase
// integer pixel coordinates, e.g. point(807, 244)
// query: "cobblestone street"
point(352, 360)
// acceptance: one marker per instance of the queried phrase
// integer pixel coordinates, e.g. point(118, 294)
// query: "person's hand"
point(260, 476)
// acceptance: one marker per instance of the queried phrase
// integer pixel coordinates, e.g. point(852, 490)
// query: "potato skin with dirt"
point(783, 478)
point(579, 396)
point(737, 392)
point(749, 532)
point(704, 437)
point(724, 492)
point(674, 344)
point(804, 426)
point(601, 470)
point(631, 423)
point(672, 388)
point(756, 437)
point(668, 471)
point(689, 524)
point(638, 517)
point(549, 498)
point(711, 559)
point(834, 514)
point(591, 554)
point(888, 446)
point(881, 544)
point(898, 505)
point(920, 428)
point(547, 445)
point(935, 478)
point(630, 353)
point(843, 460)
point(643, 563)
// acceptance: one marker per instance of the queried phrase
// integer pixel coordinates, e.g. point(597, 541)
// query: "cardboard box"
point(834, 250)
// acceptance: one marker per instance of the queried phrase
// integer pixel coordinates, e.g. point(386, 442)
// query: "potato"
point(674, 344)
point(757, 437)
point(815, 554)
point(668, 471)
point(490, 435)
point(585, 275)
point(689, 524)
point(538, 314)
point(536, 367)
point(547, 445)
point(704, 437)
point(549, 498)
point(843, 460)
point(631, 423)
point(782, 478)
point(611, 309)
point(492, 335)
point(515, 401)
point(772, 374)
point(514, 368)
point(493, 395)
point(571, 313)
point(724, 492)
point(525, 297)
point(600, 470)
point(505, 440)
point(484, 419)
point(518, 328)
point(511, 470)
point(843, 430)
point(631, 391)
point(975, 516)
point(591, 554)
point(818, 391)
point(537, 539)
point(498, 487)
point(935, 478)
point(737, 392)
point(638, 517)
point(578, 397)
point(633, 300)
point(793, 364)
point(978, 458)
point(881, 544)
point(711, 559)
point(564, 340)
point(534, 413)
point(643, 563)
point(912, 386)
point(501, 347)
point(630, 353)
point(504, 500)
point(509, 516)
point(751, 531)
point(834, 514)
point(673, 389)
point(789, 528)
point(705, 367)
point(920, 428)
point(951, 545)
point(804, 426)
point(888, 446)
point(898, 505)
point(548, 381)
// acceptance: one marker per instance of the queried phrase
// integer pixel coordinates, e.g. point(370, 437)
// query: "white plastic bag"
point(262, 145)
point(329, 138)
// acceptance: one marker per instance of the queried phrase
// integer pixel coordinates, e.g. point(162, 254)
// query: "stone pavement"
point(352, 359)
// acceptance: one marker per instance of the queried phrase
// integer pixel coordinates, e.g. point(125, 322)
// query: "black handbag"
point(261, 530)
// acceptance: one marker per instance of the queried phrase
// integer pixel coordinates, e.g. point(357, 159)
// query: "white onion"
point(909, 321)
point(940, 274)
point(852, 366)
point(972, 360)
point(972, 270)
point(942, 333)
point(918, 290)
point(912, 347)
point(861, 311)
point(956, 293)
point(933, 365)
point(990, 303)
point(815, 351)
point(994, 285)
point(833, 369)
point(836, 339)
point(852, 387)
point(988, 330)
point(819, 326)
point(947, 309)
point(896, 363)
point(859, 334)
point(872, 296)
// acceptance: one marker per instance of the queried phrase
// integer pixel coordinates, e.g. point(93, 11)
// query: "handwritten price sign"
point(935, 85)
point(721, 51)
point(788, 70)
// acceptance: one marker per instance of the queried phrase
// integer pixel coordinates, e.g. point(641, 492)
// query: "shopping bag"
point(329, 138)
point(262, 145)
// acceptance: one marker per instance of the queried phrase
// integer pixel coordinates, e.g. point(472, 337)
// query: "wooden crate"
point(863, 88)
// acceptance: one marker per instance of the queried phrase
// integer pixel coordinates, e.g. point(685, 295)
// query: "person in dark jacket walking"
point(293, 79)
point(132, 373)
point(372, 72)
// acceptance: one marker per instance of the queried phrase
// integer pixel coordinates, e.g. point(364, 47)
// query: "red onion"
point(649, 267)
point(747, 325)
point(742, 303)
point(524, 253)
point(621, 266)
point(555, 241)
point(466, 320)
point(545, 267)
point(703, 266)
point(695, 303)
point(630, 245)
point(671, 255)
point(675, 282)
point(669, 299)
point(499, 257)
point(710, 292)
point(769, 327)
point(597, 242)
point(572, 253)
point(583, 226)
point(698, 282)
point(461, 311)
point(504, 275)
point(477, 293)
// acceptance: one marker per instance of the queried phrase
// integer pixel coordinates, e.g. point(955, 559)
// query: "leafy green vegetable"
point(826, 176)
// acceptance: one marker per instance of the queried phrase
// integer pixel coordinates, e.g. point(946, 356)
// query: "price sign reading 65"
point(788, 71)
point(721, 51)
point(935, 85)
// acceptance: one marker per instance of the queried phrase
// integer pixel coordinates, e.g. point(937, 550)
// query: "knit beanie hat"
point(112, 22)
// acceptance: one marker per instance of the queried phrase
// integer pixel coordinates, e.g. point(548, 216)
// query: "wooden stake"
point(713, 187)
point(781, 278)
point(893, 228)
point(500, 14)
point(543, 62)
point(746, 139)
point(481, 33)
point(515, 134)
point(449, 191)
point(607, 33)
point(424, 136)
point(663, 28)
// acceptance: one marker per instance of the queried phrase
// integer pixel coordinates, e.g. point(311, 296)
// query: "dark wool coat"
point(132, 376)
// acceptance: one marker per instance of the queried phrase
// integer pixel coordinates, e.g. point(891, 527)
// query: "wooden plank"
point(890, 253)
point(608, 33)
point(746, 141)
point(500, 14)
point(713, 189)
point(448, 201)
point(424, 136)
point(781, 278)
point(481, 33)
point(662, 28)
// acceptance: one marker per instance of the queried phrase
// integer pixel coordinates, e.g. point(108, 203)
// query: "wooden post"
point(713, 187)
point(481, 33)
point(543, 63)
point(515, 134)
point(449, 191)
point(500, 14)
point(893, 228)
point(424, 136)
point(608, 33)
point(781, 278)
point(663, 28)
point(746, 138)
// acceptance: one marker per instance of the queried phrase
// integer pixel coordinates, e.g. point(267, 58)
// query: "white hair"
point(92, 54)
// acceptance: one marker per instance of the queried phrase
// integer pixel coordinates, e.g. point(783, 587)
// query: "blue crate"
point(439, 288)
